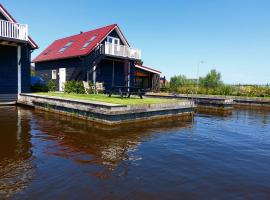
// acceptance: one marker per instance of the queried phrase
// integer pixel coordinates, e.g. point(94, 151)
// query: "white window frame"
point(113, 40)
point(54, 74)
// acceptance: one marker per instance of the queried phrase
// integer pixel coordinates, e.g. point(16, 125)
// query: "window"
point(89, 41)
point(116, 41)
point(54, 74)
point(65, 47)
point(110, 40)
point(113, 40)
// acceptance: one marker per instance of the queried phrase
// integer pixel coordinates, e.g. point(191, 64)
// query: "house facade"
point(15, 57)
point(101, 55)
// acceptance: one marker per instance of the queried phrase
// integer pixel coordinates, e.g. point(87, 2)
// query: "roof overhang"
point(11, 19)
point(119, 32)
point(148, 69)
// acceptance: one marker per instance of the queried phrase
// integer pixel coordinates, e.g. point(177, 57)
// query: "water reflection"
point(258, 116)
point(88, 143)
point(50, 156)
point(15, 150)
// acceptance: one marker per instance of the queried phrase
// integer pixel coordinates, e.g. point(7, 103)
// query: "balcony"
point(122, 51)
point(15, 31)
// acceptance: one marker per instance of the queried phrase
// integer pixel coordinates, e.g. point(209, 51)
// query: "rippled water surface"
point(48, 156)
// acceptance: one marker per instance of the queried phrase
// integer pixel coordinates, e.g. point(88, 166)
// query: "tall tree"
point(211, 80)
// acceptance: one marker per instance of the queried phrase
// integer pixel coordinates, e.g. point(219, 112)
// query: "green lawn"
point(133, 100)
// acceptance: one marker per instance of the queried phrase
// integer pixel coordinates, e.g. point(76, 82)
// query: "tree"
point(211, 80)
point(180, 81)
point(177, 81)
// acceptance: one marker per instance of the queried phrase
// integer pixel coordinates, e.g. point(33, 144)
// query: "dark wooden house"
point(101, 55)
point(15, 57)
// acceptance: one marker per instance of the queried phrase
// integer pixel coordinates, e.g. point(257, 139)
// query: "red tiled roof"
point(10, 18)
point(75, 49)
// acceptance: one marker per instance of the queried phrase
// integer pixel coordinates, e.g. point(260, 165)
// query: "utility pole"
point(198, 66)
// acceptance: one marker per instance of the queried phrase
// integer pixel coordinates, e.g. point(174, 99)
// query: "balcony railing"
point(122, 51)
point(12, 30)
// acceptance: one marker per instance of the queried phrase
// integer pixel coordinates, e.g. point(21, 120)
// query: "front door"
point(62, 79)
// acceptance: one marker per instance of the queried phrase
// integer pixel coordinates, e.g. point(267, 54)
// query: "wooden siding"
point(8, 70)
point(147, 80)
point(105, 73)
point(26, 68)
point(114, 34)
point(2, 17)
point(73, 65)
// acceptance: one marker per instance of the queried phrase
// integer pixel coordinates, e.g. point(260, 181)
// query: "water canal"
point(49, 156)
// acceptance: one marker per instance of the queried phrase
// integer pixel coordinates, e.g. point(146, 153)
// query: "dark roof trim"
point(148, 69)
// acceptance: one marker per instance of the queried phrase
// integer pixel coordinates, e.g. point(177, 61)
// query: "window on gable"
point(113, 40)
point(110, 40)
point(66, 46)
point(89, 41)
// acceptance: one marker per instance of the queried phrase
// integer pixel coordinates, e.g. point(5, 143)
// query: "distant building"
point(163, 81)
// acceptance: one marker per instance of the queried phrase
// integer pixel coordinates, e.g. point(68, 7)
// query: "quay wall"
point(110, 114)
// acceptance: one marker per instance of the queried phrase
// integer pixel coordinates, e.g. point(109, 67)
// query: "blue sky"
point(232, 36)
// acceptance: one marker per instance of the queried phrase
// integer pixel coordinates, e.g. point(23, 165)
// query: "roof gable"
point(2, 16)
point(8, 17)
point(78, 47)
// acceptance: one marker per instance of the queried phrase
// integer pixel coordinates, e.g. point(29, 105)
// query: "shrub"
point(165, 88)
point(39, 88)
point(75, 87)
point(51, 85)
point(179, 81)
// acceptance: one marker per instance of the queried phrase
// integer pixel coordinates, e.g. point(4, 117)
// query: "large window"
point(66, 46)
point(89, 41)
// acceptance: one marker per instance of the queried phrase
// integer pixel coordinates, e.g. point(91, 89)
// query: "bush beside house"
point(75, 87)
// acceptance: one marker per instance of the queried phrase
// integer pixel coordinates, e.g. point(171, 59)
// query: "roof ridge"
point(85, 32)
